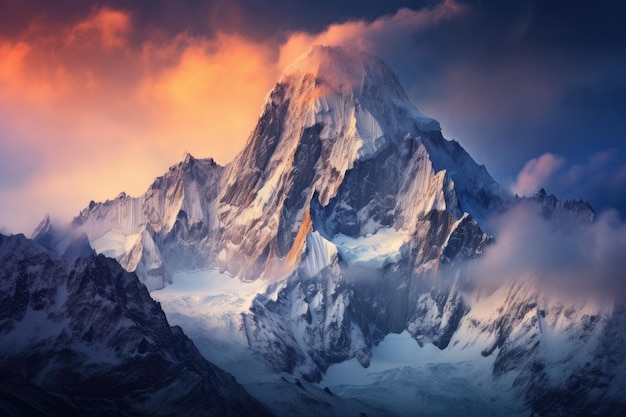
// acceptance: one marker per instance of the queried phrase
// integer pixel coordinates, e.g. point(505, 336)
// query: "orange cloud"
point(12, 59)
point(86, 113)
point(212, 95)
point(99, 115)
point(108, 27)
point(22, 75)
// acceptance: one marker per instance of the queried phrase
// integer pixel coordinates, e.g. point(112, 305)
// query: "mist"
point(571, 260)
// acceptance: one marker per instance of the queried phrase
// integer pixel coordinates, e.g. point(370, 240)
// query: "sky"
point(99, 97)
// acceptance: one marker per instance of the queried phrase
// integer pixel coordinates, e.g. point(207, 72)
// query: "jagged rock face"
point(339, 152)
point(166, 229)
point(563, 214)
point(561, 355)
point(339, 148)
point(364, 163)
point(87, 337)
point(339, 137)
point(343, 309)
point(65, 243)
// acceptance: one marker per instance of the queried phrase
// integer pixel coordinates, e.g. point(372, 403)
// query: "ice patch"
point(208, 303)
point(375, 250)
point(114, 243)
point(265, 197)
point(370, 135)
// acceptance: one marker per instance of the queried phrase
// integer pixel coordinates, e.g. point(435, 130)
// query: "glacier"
point(375, 250)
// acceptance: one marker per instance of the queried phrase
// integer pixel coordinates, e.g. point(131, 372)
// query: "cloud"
point(213, 94)
point(84, 113)
point(108, 27)
point(600, 179)
point(104, 103)
point(602, 169)
point(535, 173)
point(586, 260)
point(373, 36)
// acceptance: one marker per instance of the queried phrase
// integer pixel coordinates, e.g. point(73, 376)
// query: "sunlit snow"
point(208, 305)
point(208, 300)
point(114, 243)
point(405, 377)
point(376, 250)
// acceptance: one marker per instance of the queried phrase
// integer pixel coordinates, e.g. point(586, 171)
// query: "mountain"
point(339, 148)
point(166, 229)
point(345, 183)
point(355, 220)
point(83, 337)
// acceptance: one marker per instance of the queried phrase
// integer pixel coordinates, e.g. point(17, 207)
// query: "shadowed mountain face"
point(85, 338)
point(364, 221)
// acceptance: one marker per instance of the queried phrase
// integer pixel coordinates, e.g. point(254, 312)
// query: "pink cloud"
point(535, 173)
point(100, 115)
point(107, 26)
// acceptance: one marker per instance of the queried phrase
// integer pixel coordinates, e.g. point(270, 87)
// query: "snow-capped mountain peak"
point(339, 149)
point(346, 87)
point(340, 144)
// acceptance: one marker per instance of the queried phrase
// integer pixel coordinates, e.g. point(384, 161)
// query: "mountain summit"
point(339, 148)
point(337, 71)
point(341, 176)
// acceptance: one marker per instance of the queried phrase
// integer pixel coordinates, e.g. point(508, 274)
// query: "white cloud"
point(581, 261)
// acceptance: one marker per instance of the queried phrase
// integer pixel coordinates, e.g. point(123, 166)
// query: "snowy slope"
point(209, 304)
point(164, 230)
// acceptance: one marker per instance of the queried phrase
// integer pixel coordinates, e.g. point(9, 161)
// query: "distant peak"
point(44, 226)
point(187, 158)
